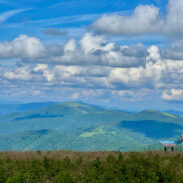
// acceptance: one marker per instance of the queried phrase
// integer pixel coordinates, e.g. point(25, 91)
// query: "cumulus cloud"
point(135, 51)
point(172, 54)
point(94, 67)
point(54, 50)
point(22, 47)
point(145, 20)
point(148, 76)
point(90, 50)
point(95, 50)
point(21, 73)
point(90, 43)
point(156, 74)
point(70, 46)
point(173, 23)
point(40, 67)
point(93, 63)
point(174, 51)
point(29, 48)
point(173, 95)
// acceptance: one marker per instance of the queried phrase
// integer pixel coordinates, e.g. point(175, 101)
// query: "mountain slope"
point(76, 126)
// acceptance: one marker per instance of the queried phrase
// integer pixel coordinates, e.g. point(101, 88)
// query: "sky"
point(117, 53)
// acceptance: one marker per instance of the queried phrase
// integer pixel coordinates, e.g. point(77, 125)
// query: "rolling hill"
point(77, 126)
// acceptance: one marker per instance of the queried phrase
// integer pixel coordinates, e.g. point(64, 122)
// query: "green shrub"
point(16, 179)
point(63, 177)
point(129, 168)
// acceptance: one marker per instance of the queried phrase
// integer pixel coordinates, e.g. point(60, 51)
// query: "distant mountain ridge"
point(179, 113)
point(10, 108)
point(78, 126)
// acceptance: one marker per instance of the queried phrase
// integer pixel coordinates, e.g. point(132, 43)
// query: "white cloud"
point(54, 50)
point(149, 76)
point(173, 95)
point(157, 74)
point(153, 53)
point(95, 50)
point(145, 19)
point(22, 73)
point(173, 21)
point(174, 51)
point(6, 15)
point(23, 47)
point(70, 46)
point(91, 50)
point(90, 43)
point(92, 63)
point(40, 67)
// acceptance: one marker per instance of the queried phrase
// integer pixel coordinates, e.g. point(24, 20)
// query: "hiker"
point(182, 139)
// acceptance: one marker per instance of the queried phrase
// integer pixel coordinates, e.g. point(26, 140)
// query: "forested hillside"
point(81, 127)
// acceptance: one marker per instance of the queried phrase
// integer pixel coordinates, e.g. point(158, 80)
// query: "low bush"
point(142, 167)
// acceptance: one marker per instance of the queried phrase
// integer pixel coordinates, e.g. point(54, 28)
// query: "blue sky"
point(31, 17)
point(125, 54)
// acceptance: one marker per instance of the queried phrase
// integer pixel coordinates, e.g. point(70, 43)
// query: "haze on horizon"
point(127, 54)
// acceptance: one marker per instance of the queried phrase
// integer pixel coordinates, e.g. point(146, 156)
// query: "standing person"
point(182, 139)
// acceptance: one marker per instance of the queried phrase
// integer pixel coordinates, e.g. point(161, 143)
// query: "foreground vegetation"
point(101, 167)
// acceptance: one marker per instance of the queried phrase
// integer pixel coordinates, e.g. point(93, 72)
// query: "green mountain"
point(76, 126)
point(7, 108)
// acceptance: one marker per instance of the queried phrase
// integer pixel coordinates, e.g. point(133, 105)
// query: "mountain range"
point(83, 127)
point(6, 108)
